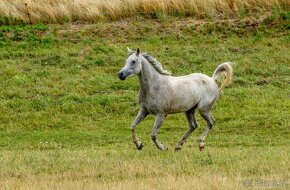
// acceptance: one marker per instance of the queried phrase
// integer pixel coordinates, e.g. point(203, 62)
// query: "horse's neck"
point(148, 75)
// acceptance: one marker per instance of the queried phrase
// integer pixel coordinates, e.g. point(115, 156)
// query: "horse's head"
point(132, 66)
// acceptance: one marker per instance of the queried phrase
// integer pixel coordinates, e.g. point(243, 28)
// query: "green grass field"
point(65, 115)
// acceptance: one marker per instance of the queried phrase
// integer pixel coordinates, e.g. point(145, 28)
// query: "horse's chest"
point(151, 102)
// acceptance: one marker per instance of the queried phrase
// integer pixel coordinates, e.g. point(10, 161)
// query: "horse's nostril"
point(121, 75)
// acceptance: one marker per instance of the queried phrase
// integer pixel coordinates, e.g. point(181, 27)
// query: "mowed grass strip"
point(65, 115)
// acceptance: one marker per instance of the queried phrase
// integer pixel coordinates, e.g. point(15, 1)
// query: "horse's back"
point(197, 80)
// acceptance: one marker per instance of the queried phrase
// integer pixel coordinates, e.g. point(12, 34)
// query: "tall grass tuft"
point(58, 11)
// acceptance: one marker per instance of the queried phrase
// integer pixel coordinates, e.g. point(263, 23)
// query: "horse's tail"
point(226, 70)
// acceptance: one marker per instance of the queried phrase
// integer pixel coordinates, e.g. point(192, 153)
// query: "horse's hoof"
point(177, 149)
point(201, 146)
point(140, 147)
point(165, 148)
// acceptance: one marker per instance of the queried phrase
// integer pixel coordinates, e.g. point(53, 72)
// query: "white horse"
point(161, 94)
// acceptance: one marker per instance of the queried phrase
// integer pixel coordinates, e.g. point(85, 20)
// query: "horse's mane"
point(157, 65)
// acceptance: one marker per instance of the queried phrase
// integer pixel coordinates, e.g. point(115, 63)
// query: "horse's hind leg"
point(192, 126)
point(157, 124)
point(206, 114)
point(141, 115)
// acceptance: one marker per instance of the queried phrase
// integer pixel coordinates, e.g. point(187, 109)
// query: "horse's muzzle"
point(121, 76)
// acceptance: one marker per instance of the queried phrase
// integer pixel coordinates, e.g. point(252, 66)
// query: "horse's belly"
point(181, 105)
point(159, 105)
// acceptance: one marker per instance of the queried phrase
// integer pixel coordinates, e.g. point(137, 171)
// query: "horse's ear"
point(130, 52)
point(138, 52)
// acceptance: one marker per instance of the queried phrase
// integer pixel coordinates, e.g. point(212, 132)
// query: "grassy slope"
point(65, 116)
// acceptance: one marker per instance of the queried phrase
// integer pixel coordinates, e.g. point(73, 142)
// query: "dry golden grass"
point(216, 168)
point(166, 183)
point(58, 11)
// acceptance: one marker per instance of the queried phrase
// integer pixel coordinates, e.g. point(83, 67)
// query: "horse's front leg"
point(140, 117)
point(157, 124)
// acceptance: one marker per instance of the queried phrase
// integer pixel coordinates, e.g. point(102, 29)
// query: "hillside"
point(65, 115)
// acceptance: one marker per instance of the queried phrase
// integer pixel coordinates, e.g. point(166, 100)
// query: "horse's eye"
point(133, 62)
